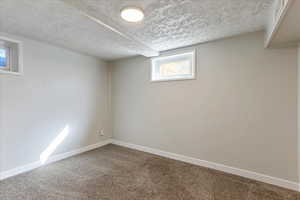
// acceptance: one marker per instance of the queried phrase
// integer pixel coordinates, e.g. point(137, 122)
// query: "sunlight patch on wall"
point(54, 144)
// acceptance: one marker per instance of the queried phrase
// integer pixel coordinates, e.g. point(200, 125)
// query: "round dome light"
point(132, 14)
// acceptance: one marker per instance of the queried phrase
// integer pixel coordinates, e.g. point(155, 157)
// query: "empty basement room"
point(149, 100)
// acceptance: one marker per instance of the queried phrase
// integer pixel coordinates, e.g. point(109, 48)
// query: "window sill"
point(3, 72)
point(174, 79)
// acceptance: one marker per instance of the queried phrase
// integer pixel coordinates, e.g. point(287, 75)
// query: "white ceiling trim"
point(278, 12)
point(143, 48)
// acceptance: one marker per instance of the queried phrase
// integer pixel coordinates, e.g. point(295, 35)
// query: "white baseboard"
point(55, 158)
point(240, 172)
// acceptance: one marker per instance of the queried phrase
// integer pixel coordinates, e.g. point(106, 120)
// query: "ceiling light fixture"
point(132, 14)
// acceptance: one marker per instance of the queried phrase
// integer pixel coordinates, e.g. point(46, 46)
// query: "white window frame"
point(15, 61)
point(154, 61)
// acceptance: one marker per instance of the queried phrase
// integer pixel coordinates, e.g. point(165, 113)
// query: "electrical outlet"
point(101, 133)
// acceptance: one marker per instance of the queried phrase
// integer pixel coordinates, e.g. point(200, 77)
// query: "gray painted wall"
point(59, 88)
point(299, 112)
point(241, 111)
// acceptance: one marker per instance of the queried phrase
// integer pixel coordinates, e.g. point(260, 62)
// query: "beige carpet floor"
point(117, 173)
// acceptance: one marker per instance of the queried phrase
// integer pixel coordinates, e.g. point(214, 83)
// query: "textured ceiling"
point(95, 27)
point(56, 22)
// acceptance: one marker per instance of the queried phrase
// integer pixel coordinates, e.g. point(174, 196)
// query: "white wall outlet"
point(101, 133)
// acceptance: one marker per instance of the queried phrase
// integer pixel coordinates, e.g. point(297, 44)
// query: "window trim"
point(175, 54)
point(19, 57)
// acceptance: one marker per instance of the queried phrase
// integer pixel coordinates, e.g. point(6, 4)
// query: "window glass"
point(175, 67)
point(3, 58)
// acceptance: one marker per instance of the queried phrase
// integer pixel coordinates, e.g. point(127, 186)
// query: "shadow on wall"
point(54, 144)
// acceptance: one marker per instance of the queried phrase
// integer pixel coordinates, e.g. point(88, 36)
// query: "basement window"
point(10, 56)
point(174, 67)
